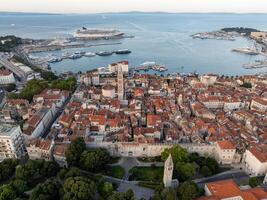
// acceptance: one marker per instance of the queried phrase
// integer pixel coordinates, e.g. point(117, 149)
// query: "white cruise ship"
point(95, 34)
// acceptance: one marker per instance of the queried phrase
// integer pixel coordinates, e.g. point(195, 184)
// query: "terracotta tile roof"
point(226, 144)
point(5, 72)
point(40, 143)
point(60, 149)
point(259, 152)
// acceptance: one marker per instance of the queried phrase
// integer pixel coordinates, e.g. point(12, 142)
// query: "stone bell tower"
point(168, 170)
point(120, 83)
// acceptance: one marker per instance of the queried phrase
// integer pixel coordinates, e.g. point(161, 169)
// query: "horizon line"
point(125, 12)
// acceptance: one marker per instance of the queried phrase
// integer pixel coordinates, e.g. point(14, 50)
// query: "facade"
point(208, 79)
point(11, 142)
point(59, 154)
point(108, 91)
point(168, 170)
point(6, 77)
point(38, 123)
point(255, 161)
point(135, 149)
point(259, 104)
point(225, 152)
point(39, 149)
point(114, 67)
point(120, 84)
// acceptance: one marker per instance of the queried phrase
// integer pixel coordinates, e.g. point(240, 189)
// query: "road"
point(239, 177)
point(16, 70)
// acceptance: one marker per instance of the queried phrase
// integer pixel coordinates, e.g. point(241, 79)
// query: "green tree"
point(185, 171)
point(7, 192)
point(205, 171)
point(74, 151)
point(78, 188)
point(7, 168)
point(49, 190)
point(94, 159)
point(253, 182)
point(188, 190)
point(246, 85)
point(49, 168)
point(72, 172)
point(105, 189)
point(35, 170)
point(193, 157)
point(20, 186)
point(168, 194)
point(178, 153)
point(129, 195)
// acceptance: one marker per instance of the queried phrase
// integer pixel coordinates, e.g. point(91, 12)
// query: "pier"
point(37, 49)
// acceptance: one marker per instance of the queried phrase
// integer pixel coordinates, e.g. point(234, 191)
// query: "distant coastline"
point(128, 12)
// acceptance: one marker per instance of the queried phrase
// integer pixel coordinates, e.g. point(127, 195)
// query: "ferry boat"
point(95, 34)
point(104, 53)
point(123, 51)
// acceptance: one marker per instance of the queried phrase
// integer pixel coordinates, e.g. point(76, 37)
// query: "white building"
point(255, 161)
point(225, 152)
point(108, 91)
point(259, 104)
point(124, 65)
point(6, 77)
point(38, 123)
point(208, 79)
point(39, 149)
point(11, 142)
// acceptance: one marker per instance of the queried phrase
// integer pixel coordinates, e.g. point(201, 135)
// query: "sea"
point(164, 38)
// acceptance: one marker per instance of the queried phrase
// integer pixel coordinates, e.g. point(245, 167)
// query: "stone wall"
point(149, 150)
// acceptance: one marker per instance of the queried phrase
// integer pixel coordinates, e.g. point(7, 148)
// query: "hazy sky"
point(94, 6)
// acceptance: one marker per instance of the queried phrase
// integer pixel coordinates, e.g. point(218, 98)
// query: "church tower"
point(120, 83)
point(168, 170)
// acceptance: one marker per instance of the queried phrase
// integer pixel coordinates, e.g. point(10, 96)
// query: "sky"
point(96, 6)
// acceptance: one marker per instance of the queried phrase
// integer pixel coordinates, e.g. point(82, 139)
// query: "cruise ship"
point(97, 34)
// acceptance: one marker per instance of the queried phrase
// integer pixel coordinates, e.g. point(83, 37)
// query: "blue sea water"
point(161, 37)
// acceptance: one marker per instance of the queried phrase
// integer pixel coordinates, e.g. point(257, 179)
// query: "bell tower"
point(120, 83)
point(168, 170)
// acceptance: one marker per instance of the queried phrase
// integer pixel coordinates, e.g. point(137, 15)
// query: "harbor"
point(215, 35)
point(256, 65)
point(52, 58)
point(146, 66)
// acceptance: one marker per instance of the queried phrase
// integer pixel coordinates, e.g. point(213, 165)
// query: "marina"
point(52, 58)
point(146, 66)
point(257, 64)
point(246, 50)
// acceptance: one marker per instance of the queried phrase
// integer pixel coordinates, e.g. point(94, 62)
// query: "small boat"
point(148, 64)
point(76, 55)
point(89, 54)
point(123, 51)
point(104, 53)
